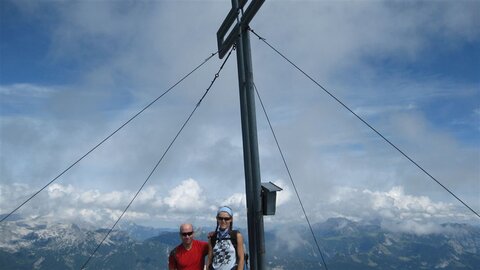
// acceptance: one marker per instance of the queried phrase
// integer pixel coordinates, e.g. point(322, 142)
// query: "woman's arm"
point(240, 252)
point(210, 254)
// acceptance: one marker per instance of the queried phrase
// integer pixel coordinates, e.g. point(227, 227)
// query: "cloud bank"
point(189, 201)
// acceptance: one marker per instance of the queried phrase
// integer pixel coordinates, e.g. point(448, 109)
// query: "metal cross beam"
point(224, 44)
point(241, 38)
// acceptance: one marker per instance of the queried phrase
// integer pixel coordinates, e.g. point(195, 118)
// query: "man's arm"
point(172, 262)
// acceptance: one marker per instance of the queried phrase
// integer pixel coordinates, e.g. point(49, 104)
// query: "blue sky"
point(71, 72)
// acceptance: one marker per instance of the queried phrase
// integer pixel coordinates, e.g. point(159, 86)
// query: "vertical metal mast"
point(240, 36)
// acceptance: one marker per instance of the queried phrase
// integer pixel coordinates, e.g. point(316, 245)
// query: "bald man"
point(190, 254)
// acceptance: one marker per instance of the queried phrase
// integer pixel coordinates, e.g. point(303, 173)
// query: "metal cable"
point(108, 137)
point(366, 123)
point(158, 162)
point(290, 176)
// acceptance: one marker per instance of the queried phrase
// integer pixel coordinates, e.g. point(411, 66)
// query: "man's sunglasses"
point(186, 233)
point(224, 218)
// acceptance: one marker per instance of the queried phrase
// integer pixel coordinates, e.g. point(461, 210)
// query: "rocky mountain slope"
point(37, 244)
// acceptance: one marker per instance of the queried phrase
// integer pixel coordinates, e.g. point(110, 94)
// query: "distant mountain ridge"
point(345, 244)
point(350, 245)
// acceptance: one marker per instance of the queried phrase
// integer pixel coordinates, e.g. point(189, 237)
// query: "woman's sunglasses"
point(224, 218)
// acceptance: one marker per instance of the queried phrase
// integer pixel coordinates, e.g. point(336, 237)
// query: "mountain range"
point(345, 244)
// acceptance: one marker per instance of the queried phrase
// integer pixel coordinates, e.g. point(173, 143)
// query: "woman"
point(225, 248)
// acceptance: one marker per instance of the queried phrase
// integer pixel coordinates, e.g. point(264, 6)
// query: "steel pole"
point(241, 38)
point(246, 152)
point(254, 159)
point(250, 151)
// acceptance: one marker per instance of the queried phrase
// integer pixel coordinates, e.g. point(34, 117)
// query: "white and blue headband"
point(225, 209)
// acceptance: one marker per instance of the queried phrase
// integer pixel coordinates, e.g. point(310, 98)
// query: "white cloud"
point(186, 196)
point(149, 195)
point(24, 90)
point(476, 112)
point(378, 110)
point(284, 196)
point(396, 209)
point(289, 238)
point(57, 191)
point(88, 215)
point(413, 226)
point(90, 196)
point(393, 206)
point(237, 200)
point(65, 202)
point(398, 200)
point(114, 198)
